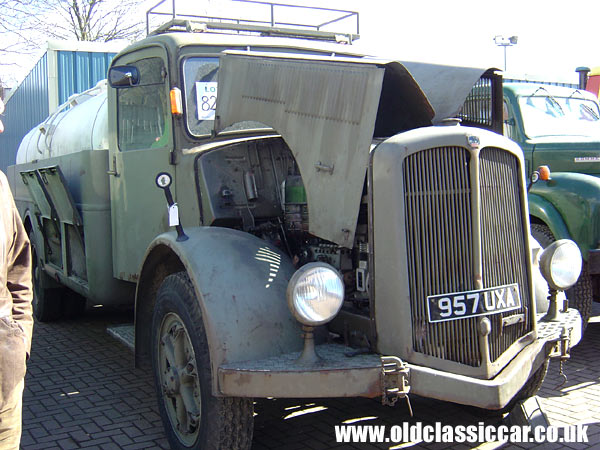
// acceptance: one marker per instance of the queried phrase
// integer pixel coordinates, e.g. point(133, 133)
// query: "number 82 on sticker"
point(460, 305)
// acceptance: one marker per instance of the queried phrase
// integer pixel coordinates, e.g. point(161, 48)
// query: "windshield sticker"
point(206, 99)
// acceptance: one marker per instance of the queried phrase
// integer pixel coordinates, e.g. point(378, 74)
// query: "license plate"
point(460, 305)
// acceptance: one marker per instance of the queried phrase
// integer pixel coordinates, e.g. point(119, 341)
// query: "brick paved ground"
point(83, 392)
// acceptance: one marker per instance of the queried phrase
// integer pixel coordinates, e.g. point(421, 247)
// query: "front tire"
point(529, 389)
point(580, 296)
point(192, 417)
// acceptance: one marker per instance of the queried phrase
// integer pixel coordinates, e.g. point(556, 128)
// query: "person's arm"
point(18, 273)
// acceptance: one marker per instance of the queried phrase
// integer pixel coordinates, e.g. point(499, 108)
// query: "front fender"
point(240, 283)
point(545, 211)
point(574, 200)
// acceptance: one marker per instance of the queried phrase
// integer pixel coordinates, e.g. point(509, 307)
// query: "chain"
point(564, 349)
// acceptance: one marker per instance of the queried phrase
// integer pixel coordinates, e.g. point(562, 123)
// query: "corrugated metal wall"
point(29, 105)
point(78, 71)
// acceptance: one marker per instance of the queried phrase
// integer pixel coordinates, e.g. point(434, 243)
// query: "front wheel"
point(529, 389)
point(193, 418)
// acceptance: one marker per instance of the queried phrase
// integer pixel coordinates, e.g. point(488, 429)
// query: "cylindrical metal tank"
point(79, 124)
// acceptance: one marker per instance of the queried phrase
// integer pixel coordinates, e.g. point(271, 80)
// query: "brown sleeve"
point(18, 274)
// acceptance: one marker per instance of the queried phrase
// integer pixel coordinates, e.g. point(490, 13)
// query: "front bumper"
point(340, 375)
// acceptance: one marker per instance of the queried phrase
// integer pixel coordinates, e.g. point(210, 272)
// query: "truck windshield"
point(544, 115)
point(200, 82)
point(201, 88)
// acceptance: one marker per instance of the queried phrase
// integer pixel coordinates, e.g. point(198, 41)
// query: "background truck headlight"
point(560, 264)
point(315, 294)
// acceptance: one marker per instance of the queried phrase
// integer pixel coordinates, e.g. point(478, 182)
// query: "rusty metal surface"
point(336, 375)
point(489, 394)
point(495, 393)
point(550, 331)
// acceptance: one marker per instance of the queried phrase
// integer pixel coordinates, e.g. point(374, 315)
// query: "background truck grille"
point(439, 223)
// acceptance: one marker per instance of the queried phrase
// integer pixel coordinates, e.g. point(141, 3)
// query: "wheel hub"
point(172, 382)
point(179, 378)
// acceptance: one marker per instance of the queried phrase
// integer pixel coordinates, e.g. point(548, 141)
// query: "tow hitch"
point(562, 350)
point(395, 381)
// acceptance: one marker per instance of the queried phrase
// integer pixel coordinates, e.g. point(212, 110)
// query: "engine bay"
point(256, 187)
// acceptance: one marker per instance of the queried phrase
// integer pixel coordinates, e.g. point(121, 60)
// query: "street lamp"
point(504, 41)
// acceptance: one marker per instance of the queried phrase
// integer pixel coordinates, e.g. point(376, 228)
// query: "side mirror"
point(123, 76)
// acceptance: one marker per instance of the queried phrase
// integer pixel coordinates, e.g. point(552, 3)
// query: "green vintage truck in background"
point(293, 219)
point(560, 127)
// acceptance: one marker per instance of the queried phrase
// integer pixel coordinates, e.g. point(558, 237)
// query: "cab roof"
point(531, 89)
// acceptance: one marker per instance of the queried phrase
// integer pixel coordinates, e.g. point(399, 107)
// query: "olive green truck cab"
point(559, 127)
point(290, 219)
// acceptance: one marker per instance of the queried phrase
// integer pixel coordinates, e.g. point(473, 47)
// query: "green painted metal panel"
point(576, 197)
point(568, 203)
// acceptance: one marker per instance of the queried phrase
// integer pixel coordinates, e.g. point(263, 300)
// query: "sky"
point(554, 37)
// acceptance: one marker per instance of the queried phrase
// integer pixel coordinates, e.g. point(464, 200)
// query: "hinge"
point(324, 167)
point(113, 171)
point(395, 381)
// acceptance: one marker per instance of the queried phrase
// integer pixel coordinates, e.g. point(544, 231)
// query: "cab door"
point(141, 143)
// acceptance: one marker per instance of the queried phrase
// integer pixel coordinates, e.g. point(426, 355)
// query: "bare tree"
point(15, 36)
point(25, 25)
point(15, 23)
point(95, 20)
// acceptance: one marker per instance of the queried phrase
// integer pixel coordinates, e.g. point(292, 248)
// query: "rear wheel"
point(47, 302)
point(193, 418)
point(580, 296)
point(73, 304)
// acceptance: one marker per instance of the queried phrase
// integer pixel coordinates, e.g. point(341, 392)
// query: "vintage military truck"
point(560, 127)
point(292, 219)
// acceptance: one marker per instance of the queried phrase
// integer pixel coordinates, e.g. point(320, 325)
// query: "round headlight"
point(315, 294)
point(560, 264)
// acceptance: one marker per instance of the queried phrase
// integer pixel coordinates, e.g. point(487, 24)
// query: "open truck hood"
point(446, 87)
point(328, 110)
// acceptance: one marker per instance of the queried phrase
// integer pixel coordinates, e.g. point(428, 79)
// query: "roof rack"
point(271, 20)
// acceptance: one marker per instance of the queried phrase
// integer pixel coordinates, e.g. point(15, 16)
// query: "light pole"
point(504, 41)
